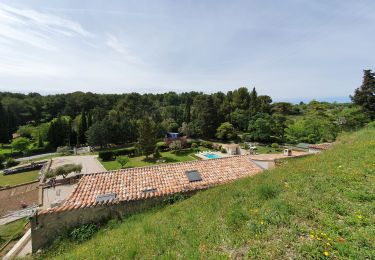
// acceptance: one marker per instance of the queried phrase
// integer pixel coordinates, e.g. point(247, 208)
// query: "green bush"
point(10, 163)
point(83, 233)
point(66, 169)
point(162, 145)
point(223, 150)
point(371, 124)
point(174, 198)
point(275, 146)
point(63, 150)
point(207, 144)
point(157, 154)
point(106, 155)
point(131, 151)
point(194, 145)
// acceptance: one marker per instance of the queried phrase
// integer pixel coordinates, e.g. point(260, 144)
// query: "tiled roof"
point(153, 181)
point(322, 146)
point(272, 157)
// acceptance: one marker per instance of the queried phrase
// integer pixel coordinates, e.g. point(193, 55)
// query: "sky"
point(291, 49)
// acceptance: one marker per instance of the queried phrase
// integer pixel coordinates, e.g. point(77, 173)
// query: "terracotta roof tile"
point(159, 180)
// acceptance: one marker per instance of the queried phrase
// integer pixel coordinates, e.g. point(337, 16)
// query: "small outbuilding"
point(233, 149)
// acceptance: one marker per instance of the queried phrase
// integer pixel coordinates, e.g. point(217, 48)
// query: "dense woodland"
point(75, 119)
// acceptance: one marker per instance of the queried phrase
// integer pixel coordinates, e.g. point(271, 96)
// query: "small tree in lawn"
point(123, 160)
point(21, 144)
point(157, 154)
point(146, 136)
point(175, 146)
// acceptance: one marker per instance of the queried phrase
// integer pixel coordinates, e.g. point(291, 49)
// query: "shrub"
point(83, 233)
point(217, 147)
point(162, 145)
point(194, 145)
point(63, 150)
point(66, 169)
point(106, 155)
point(157, 153)
point(371, 124)
point(223, 150)
point(267, 191)
point(131, 151)
point(123, 160)
point(10, 163)
point(207, 144)
point(174, 198)
point(189, 143)
point(275, 146)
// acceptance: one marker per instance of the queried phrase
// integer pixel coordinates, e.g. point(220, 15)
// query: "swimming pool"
point(211, 156)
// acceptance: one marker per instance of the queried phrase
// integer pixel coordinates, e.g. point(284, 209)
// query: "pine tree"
point(364, 96)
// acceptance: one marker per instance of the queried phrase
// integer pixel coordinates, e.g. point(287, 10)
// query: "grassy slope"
point(169, 157)
point(18, 178)
point(322, 203)
point(12, 230)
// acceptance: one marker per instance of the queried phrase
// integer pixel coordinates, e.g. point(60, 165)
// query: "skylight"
point(193, 175)
point(105, 197)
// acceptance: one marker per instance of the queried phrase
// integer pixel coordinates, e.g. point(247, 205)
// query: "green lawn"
point(316, 207)
point(5, 149)
point(18, 178)
point(169, 157)
point(262, 149)
point(12, 231)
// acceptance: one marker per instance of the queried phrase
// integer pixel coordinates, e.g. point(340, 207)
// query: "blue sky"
point(290, 49)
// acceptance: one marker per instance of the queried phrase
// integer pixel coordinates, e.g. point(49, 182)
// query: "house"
point(303, 146)
point(317, 148)
point(117, 194)
point(172, 137)
point(232, 149)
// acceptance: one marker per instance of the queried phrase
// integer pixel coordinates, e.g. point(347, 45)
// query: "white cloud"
point(29, 27)
point(115, 44)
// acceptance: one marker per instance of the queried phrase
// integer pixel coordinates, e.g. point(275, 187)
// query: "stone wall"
point(46, 227)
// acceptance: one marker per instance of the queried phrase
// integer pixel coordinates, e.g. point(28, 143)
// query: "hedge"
point(106, 155)
point(125, 151)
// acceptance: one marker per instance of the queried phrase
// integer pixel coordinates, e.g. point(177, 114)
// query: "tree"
point(4, 131)
point(226, 131)
point(205, 115)
point(21, 144)
point(59, 132)
point(64, 170)
point(261, 128)
point(99, 133)
point(146, 136)
point(186, 129)
point(123, 160)
point(253, 103)
point(364, 96)
point(82, 128)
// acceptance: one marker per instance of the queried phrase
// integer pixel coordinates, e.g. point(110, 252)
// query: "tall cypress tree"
point(82, 128)
point(4, 131)
point(364, 96)
point(253, 104)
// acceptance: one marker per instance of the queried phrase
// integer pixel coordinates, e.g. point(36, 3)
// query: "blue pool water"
point(211, 156)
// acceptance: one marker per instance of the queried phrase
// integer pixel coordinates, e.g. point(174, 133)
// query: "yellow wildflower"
point(325, 253)
point(328, 244)
point(261, 222)
point(359, 217)
point(312, 236)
